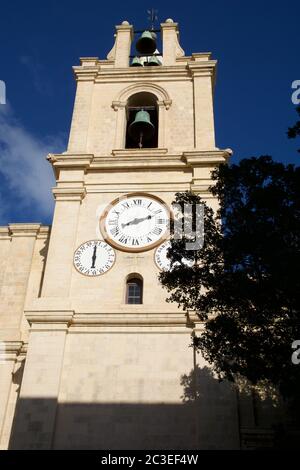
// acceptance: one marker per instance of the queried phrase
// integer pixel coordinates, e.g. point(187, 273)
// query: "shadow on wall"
point(264, 420)
point(106, 426)
point(207, 418)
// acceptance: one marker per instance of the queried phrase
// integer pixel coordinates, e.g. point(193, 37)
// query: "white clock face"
point(136, 222)
point(94, 257)
point(163, 261)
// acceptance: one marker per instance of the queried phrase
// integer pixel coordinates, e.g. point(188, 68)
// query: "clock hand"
point(136, 221)
point(94, 257)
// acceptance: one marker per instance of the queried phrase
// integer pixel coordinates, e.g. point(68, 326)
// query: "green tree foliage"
point(245, 283)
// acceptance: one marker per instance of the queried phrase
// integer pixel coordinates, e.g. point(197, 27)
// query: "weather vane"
point(152, 17)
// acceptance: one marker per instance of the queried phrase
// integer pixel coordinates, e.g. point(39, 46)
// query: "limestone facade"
point(80, 368)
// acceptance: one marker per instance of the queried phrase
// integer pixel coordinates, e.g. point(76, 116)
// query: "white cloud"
point(27, 174)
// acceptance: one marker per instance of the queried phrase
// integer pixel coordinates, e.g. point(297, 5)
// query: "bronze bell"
point(153, 61)
point(146, 44)
point(141, 128)
point(136, 62)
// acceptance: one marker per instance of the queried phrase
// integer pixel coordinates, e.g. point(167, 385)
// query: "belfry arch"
point(120, 105)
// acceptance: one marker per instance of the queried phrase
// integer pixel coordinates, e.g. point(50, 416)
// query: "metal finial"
point(152, 17)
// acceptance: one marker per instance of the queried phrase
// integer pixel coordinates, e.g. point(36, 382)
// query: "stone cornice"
point(24, 230)
point(61, 318)
point(132, 159)
point(200, 56)
point(65, 160)
point(94, 69)
point(84, 73)
point(81, 160)
point(194, 67)
point(128, 74)
point(206, 157)
point(100, 73)
point(44, 232)
point(138, 162)
point(202, 68)
point(89, 61)
point(9, 350)
point(4, 233)
point(69, 193)
point(21, 230)
point(131, 319)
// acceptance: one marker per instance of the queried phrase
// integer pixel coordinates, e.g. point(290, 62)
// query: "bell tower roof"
point(146, 70)
point(122, 53)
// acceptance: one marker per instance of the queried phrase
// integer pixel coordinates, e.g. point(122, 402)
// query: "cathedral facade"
point(91, 354)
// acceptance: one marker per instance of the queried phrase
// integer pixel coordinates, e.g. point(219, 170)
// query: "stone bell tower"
point(108, 363)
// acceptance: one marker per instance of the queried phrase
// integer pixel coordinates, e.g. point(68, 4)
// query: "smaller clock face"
point(94, 257)
point(161, 259)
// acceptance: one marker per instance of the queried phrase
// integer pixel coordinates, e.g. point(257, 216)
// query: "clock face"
point(94, 257)
point(163, 262)
point(136, 222)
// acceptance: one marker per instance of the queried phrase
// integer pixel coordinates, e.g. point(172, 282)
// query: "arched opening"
point(134, 289)
point(147, 102)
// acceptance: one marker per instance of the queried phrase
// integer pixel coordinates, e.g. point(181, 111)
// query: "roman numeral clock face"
point(136, 222)
point(94, 257)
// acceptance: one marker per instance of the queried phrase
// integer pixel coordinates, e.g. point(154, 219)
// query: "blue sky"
point(256, 44)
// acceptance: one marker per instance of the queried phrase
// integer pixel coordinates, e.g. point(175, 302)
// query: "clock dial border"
point(95, 275)
point(154, 255)
point(114, 244)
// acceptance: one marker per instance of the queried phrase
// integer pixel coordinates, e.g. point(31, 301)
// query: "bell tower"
point(108, 363)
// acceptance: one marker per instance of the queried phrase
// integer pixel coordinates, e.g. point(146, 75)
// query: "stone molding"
point(138, 159)
point(148, 87)
point(140, 153)
point(69, 193)
point(206, 157)
point(21, 230)
point(49, 320)
point(131, 319)
point(34, 230)
point(62, 161)
point(102, 73)
point(5, 233)
point(61, 320)
point(9, 350)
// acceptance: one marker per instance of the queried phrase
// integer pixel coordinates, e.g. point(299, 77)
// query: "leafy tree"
point(294, 131)
point(245, 282)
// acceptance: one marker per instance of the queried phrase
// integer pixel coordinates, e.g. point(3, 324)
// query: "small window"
point(134, 291)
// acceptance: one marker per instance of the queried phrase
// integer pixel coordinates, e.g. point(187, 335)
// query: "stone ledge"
point(48, 317)
point(130, 318)
point(157, 152)
point(5, 233)
point(21, 230)
point(24, 230)
point(207, 157)
point(9, 350)
point(69, 194)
